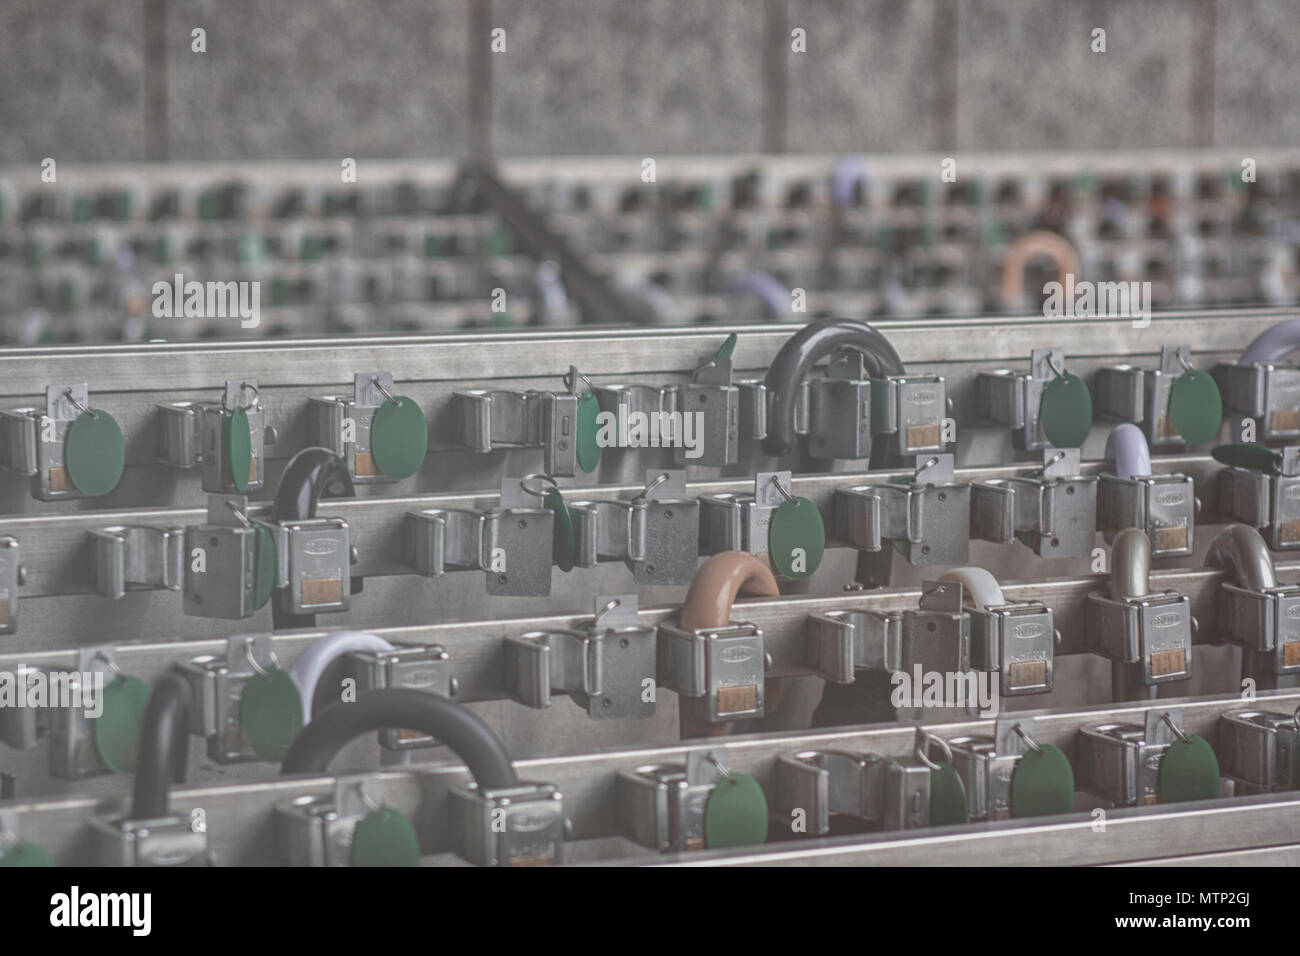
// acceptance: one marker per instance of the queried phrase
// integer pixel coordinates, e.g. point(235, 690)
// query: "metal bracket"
point(1012, 399)
point(1153, 632)
point(12, 576)
point(319, 830)
point(927, 521)
point(1270, 394)
point(655, 534)
point(1164, 506)
point(515, 826)
point(731, 522)
point(1053, 511)
point(136, 558)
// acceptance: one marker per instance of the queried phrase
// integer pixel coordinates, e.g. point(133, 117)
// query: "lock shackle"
point(1032, 245)
point(1273, 343)
point(766, 287)
point(164, 747)
point(1241, 551)
point(457, 727)
point(304, 482)
point(717, 582)
point(979, 587)
point(312, 663)
point(1130, 569)
point(801, 352)
point(1127, 450)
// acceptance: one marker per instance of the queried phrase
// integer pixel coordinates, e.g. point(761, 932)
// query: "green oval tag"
point(26, 854)
point(1196, 407)
point(237, 437)
point(726, 348)
point(94, 453)
point(947, 796)
point(117, 729)
point(563, 546)
point(588, 428)
point(1065, 412)
point(385, 837)
point(399, 437)
point(1042, 783)
point(796, 538)
point(736, 814)
point(270, 713)
point(1243, 455)
point(265, 564)
point(1188, 771)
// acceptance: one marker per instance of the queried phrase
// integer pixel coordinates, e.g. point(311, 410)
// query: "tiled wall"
point(281, 79)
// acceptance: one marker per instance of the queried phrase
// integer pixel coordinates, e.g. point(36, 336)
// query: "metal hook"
point(1029, 741)
point(653, 485)
point(784, 494)
point(67, 393)
point(1175, 728)
point(374, 380)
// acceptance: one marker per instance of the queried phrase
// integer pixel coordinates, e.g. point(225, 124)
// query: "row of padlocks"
point(812, 590)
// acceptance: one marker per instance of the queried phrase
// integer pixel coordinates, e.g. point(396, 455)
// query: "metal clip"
point(839, 409)
point(219, 562)
point(33, 440)
point(217, 684)
point(655, 534)
point(911, 409)
point(888, 793)
point(661, 806)
point(343, 425)
point(1132, 394)
point(74, 755)
point(713, 397)
point(1164, 506)
point(1052, 511)
point(1269, 502)
point(135, 558)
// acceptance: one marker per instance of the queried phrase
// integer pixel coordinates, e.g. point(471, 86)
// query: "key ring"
point(374, 380)
point(609, 606)
point(243, 387)
point(67, 393)
point(1187, 366)
point(570, 382)
point(537, 476)
point(252, 660)
point(1029, 741)
point(1175, 728)
point(721, 767)
point(923, 739)
point(235, 510)
point(110, 663)
point(784, 494)
point(653, 485)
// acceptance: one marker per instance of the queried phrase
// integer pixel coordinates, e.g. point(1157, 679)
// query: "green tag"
point(265, 564)
point(1196, 407)
point(1188, 771)
point(947, 796)
point(1042, 783)
point(270, 712)
point(736, 814)
point(1252, 456)
point(796, 538)
point(725, 349)
point(563, 546)
point(385, 837)
point(117, 729)
point(399, 437)
point(26, 854)
point(237, 438)
point(1065, 412)
point(93, 453)
point(588, 429)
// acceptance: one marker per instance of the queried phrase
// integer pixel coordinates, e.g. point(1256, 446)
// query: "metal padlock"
point(221, 562)
point(314, 562)
point(1164, 506)
point(33, 441)
point(927, 521)
point(839, 409)
point(424, 667)
point(986, 765)
point(319, 830)
point(217, 684)
point(499, 418)
point(510, 826)
point(512, 545)
point(1267, 622)
point(193, 433)
point(343, 424)
point(719, 671)
point(1016, 641)
point(910, 410)
point(1052, 511)
point(1152, 633)
point(661, 806)
point(656, 534)
point(1260, 750)
point(605, 664)
point(12, 577)
point(1012, 399)
point(1121, 762)
point(1132, 394)
point(1267, 393)
point(173, 840)
point(1261, 500)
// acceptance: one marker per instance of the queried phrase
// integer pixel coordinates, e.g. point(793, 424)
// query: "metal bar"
point(239, 816)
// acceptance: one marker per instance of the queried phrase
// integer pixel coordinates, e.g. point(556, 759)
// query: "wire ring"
point(1029, 741)
point(571, 384)
point(243, 387)
point(258, 669)
point(924, 739)
point(110, 663)
point(67, 393)
point(609, 606)
point(784, 494)
point(721, 767)
point(537, 476)
point(374, 380)
point(651, 486)
point(235, 510)
point(1178, 732)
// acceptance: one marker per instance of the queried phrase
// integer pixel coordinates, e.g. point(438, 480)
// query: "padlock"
point(1268, 393)
point(227, 440)
point(1254, 611)
point(12, 577)
point(1052, 511)
point(927, 521)
point(346, 426)
point(1260, 750)
point(1129, 496)
point(508, 826)
point(656, 534)
point(909, 410)
point(1267, 501)
point(423, 667)
point(605, 664)
point(314, 557)
point(171, 840)
point(70, 449)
